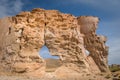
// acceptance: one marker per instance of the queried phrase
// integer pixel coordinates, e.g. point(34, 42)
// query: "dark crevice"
point(44, 28)
point(20, 47)
point(9, 30)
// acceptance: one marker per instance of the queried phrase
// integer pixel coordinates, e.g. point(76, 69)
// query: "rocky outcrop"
point(66, 36)
point(94, 43)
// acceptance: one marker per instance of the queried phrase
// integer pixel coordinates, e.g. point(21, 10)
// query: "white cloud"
point(10, 7)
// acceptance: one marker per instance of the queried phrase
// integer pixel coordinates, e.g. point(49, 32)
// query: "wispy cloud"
point(10, 7)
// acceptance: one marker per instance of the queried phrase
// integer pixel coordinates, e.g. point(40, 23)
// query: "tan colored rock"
point(94, 43)
point(22, 36)
point(63, 38)
point(21, 43)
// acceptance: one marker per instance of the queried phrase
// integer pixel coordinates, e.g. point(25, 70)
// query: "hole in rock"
point(52, 62)
point(87, 52)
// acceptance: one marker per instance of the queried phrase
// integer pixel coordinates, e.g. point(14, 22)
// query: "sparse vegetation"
point(114, 68)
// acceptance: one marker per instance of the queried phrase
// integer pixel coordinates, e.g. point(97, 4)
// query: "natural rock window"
point(87, 52)
point(45, 54)
point(52, 62)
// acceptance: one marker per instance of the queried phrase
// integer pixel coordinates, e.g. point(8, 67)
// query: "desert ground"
point(53, 64)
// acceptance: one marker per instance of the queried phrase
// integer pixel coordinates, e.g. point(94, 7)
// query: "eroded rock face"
point(66, 36)
point(94, 43)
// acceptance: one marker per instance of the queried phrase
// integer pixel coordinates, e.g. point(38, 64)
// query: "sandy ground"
point(50, 68)
point(45, 78)
point(23, 78)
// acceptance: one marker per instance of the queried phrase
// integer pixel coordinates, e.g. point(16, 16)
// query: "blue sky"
point(107, 10)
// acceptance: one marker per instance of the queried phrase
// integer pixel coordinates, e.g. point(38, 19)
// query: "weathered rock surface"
point(66, 36)
point(95, 44)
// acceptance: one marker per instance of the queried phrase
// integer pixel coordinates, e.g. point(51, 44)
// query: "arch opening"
point(87, 52)
point(52, 62)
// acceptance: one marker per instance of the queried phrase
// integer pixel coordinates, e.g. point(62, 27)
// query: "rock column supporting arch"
point(94, 43)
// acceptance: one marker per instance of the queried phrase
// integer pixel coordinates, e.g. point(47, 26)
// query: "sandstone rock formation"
point(66, 36)
point(95, 44)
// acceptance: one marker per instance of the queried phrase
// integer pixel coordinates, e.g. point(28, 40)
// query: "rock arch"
point(65, 35)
